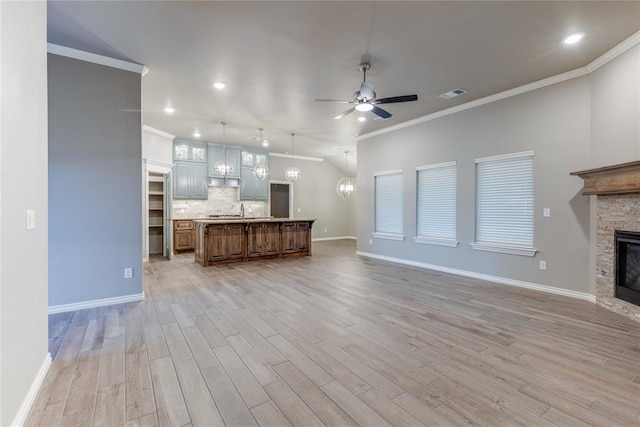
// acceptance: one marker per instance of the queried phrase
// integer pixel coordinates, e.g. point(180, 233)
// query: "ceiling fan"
point(365, 98)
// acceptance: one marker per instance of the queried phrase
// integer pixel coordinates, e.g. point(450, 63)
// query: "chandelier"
point(346, 187)
point(292, 173)
point(222, 167)
point(261, 171)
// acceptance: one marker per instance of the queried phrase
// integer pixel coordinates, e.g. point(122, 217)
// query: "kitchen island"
point(245, 239)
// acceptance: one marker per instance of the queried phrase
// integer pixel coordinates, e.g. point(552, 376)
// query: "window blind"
point(436, 204)
point(504, 200)
point(388, 203)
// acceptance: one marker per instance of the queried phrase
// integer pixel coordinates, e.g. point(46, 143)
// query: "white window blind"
point(388, 203)
point(504, 201)
point(436, 204)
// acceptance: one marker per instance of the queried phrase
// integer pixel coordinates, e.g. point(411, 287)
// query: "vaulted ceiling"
point(276, 58)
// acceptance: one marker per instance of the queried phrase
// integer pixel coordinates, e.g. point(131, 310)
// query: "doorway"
point(280, 200)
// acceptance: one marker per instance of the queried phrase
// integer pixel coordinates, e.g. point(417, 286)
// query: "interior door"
point(280, 200)
point(168, 215)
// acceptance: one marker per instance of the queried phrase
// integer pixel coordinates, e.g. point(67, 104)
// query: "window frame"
point(387, 234)
point(508, 248)
point(437, 240)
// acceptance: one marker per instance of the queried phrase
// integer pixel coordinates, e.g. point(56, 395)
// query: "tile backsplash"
point(221, 201)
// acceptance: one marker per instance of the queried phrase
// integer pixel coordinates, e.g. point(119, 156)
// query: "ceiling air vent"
point(453, 93)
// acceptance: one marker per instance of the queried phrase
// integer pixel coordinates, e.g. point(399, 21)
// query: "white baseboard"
point(95, 303)
point(322, 239)
point(487, 277)
point(30, 398)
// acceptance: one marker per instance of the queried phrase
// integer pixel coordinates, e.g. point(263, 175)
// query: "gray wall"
point(582, 123)
point(95, 188)
point(23, 167)
point(315, 194)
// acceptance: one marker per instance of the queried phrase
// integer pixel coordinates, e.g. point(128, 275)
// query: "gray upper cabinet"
point(190, 151)
point(190, 180)
point(190, 172)
point(251, 188)
point(221, 153)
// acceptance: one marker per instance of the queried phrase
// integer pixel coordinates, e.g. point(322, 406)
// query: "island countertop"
point(233, 220)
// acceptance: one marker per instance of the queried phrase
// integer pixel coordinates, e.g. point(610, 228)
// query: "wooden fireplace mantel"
point(616, 179)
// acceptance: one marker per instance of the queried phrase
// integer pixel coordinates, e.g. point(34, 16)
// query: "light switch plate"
point(128, 273)
point(31, 219)
point(543, 265)
point(546, 212)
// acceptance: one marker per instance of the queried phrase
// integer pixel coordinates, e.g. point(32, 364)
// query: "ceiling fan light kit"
point(365, 99)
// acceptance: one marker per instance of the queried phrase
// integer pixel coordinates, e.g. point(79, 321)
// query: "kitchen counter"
point(225, 240)
point(246, 220)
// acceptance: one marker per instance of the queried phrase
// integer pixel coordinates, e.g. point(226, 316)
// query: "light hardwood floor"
point(336, 339)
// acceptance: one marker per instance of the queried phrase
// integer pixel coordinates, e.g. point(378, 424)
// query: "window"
point(436, 204)
point(504, 204)
point(388, 205)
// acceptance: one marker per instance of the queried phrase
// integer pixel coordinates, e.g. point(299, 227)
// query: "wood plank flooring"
point(335, 339)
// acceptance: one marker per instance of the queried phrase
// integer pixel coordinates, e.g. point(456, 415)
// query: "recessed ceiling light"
point(196, 134)
point(265, 143)
point(573, 38)
point(219, 85)
point(338, 149)
point(169, 109)
point(362, 119)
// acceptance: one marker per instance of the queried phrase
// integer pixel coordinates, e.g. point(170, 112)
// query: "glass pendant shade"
point(292, 174)
point(261, 172)
point(224, 168)
point(346, 187)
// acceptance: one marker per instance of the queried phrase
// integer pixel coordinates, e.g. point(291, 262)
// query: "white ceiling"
point(277, 57)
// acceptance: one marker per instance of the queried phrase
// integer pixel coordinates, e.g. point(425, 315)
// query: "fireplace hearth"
point(627, 261)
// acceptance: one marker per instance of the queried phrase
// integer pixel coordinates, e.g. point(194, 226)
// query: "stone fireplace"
point(617, 189)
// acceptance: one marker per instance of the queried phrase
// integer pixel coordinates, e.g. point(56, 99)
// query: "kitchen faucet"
point(242, 210)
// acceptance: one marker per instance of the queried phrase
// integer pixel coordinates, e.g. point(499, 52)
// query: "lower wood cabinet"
point(225, 242)
point(217, 242)
point(295, 237)
point(184, 235)
point(263, 240)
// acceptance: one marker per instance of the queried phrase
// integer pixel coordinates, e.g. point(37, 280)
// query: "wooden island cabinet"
point(224, 241)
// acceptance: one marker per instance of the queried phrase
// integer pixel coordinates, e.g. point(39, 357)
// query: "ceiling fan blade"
point(366, 91)
point(394, 99)
point(381, 113)
point(349, 111)
point(339, 101)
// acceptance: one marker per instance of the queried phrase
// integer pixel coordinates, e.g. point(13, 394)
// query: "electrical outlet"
point(371, 241)
point(31, 219)
point(543, 265)
point(325, 230)
point(546, 212)
point(128, 273)
point(299, 210)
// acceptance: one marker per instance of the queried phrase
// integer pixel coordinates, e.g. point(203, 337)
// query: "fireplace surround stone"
point(617, 189)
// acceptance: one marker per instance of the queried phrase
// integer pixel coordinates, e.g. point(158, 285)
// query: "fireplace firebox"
point(628, 266)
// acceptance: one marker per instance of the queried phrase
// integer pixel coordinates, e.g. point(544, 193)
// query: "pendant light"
point(222, 167)
point(346, 187)
point(292, 173)
point(260, 170)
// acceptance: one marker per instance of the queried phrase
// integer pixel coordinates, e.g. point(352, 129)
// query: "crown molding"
point(158, 132)
point(617, 50)
point(291, 156)
point(96, 59)
point(612, 53)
